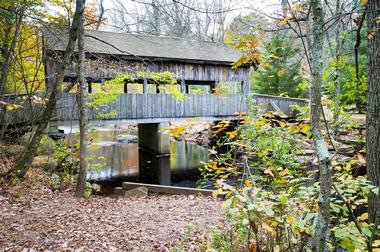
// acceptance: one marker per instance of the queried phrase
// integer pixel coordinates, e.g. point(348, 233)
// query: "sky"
point(243, 7)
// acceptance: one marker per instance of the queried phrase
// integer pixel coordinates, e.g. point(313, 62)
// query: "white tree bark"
point(323, 216)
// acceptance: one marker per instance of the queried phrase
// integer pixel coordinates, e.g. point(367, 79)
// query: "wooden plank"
point(167, 189)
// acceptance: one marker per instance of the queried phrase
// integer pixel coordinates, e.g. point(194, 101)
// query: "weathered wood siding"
point(148, 106)
point(144, 106)
point(263, 103)
point(103, 68)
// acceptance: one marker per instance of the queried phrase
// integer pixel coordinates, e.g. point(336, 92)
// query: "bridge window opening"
point(199, 89)
point(229, 87)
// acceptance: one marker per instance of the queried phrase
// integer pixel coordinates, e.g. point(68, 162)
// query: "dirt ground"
point(33, 217)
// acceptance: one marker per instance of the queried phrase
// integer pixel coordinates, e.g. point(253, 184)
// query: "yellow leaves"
point(363, 2)
point(363, 217)
point(281, 123)
point(220, 127)
point(268, 228)
point(260, 123)
point(281, 72)
point(377, 20)
point(269, 115)
point(246, 122)
point(177, 131)
point(305, 127)
point(248, 183)
point(298, 7)
point(294, 129)
point(273, 56)
point(283, 21)
point(284, 172)
point(11, 107)
point(215, 193)
point(232, 134)
point(290, 219)
point(266, 64)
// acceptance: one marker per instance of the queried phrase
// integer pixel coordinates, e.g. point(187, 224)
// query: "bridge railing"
point(145, 106)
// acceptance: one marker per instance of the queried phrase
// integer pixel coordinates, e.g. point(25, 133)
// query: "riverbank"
point(34, 217)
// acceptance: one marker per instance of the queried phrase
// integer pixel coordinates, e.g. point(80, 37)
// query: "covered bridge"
point(194, 63)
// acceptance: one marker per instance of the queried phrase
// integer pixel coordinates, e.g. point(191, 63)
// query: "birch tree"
point(316, 64)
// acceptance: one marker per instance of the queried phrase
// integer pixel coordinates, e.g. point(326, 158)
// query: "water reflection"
point(112, 160)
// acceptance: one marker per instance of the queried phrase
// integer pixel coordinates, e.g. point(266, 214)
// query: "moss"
point(46, 147)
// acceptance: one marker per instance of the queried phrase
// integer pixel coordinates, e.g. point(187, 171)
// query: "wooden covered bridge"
point(194, 63)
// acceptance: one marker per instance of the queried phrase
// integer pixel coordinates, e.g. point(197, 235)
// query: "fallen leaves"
point(61, 222)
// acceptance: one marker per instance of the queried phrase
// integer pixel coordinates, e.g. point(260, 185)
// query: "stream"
point(113, 161)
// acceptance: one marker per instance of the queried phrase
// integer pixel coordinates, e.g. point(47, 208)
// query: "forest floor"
point(34, 217)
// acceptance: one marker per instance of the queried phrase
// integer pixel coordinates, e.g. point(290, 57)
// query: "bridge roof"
point(146, 46)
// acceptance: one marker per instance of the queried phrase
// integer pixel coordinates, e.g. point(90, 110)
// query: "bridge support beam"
point(152, 139)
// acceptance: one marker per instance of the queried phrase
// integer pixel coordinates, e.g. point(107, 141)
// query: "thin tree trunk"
point(373, 106)
point(23, 163)
point(8, 56)
point(83, 120)
point(5, 67)
point(101, 14)
point(323, 217)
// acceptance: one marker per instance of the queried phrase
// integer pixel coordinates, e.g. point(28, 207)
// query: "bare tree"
point(205, 20)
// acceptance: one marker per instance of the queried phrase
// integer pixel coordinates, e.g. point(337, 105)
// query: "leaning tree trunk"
point(323, 217)
point(373, 106)
point(83, 120)
point(23, 163)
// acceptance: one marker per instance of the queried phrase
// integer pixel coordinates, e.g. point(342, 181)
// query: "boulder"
point(47, 163)
point(137, 192)
point(47, 145)
point(126, 139)
point(14, 150)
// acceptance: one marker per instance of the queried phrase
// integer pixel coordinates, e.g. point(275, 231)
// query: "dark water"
point(112, 162)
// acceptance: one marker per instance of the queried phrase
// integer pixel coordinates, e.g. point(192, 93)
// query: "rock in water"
point(124, 138)
point(140, 191)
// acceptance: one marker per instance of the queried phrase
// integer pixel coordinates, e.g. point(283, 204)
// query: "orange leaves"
point(269, 171)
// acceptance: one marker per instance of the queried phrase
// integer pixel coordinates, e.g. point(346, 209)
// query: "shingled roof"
point(146, 46)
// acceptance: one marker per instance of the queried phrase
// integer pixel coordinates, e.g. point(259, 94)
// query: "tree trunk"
point(100, 15)
point(323, 217)
point(9, 52)
point(83, 120)
point(373, 106)
point(23, 163)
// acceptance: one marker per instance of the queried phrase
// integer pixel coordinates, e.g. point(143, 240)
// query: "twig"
point(351, 212)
